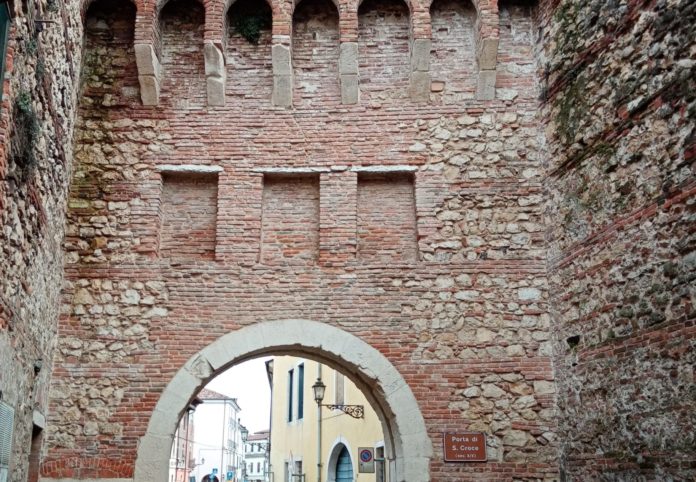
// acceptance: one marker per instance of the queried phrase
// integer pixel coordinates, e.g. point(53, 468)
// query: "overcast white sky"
point(248, 383)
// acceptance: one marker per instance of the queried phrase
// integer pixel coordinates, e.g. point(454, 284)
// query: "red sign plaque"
point(465, 447)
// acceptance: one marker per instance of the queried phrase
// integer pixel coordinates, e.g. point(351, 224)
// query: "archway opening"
point(383, 46)
point(182, 24)
point(516, 66)
point(407, 445)
point(109, 75)
point(453, 60)
point(315, 46)
point(249, 42)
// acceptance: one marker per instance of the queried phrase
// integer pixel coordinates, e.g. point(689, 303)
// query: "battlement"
point(422, 22)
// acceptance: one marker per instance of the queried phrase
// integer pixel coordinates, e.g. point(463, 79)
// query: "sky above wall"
point(248, 383)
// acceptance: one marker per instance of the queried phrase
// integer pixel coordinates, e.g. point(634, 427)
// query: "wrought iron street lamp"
point(355, 411)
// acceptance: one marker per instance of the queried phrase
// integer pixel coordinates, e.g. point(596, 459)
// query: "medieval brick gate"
point(380, 167)
point(404, 219)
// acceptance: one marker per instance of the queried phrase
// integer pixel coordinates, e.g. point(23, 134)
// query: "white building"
point(218, 444)
point(256, 457)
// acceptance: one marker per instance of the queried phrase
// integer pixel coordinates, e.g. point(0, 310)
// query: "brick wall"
point(453, 59)
point(249, 67)
point(290, 229)
point(383, 43)
point(386, 219)
point(188, 212)
point(181, 29)
point(315, 53)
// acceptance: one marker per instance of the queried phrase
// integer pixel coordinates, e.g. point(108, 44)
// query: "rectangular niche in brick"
point(290, 224)
point(387, 218)
point(189, 215)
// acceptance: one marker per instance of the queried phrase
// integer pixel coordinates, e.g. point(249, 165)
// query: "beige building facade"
point(345, 427)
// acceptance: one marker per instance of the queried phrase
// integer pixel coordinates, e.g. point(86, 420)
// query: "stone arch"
point(385, 67)
point(315, 52)
point(159, 6)
point(453, 64)
point(408, 3)
point(332, 459)
point(108, 67)
point(85, 4)
point(228, 4)
point(406, 437)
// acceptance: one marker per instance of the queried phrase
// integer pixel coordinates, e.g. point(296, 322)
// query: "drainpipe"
point(318, 430)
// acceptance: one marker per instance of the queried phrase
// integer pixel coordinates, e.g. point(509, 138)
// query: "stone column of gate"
point(281, 53)
point(348, 55)
point(487, 38)
point(147, 47)
point(215, 40)
point(419, 79)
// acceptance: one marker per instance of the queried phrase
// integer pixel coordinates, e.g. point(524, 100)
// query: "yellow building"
point(345, 426)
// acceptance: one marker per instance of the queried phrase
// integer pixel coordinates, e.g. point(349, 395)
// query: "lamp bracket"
point(355, 411)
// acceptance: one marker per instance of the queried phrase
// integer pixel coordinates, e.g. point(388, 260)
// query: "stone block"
point(214, 61)
point(420, 55)
point(162, 423)
point(146, 60)
point(282, 60)
point(487, 54)
point(149, 89)
point(215, 88)
point(419, 86)
point(485, 88)
point(155, 466)
point(282, 90)
point(350, 89)
point(348, 58)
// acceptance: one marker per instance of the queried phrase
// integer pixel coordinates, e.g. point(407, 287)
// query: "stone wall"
point(416, 225)
point(620, 105)
point(36, 121)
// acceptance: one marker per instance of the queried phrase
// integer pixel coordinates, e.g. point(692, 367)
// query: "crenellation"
point(215, 22)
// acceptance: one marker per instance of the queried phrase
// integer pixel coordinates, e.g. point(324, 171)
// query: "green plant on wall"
point(25, 134)
point(250, 24)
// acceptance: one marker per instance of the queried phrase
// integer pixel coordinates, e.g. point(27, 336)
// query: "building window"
point(298, 471)
point(290, 393)
point(300, 391)
point(340, 386)
point(379, 464)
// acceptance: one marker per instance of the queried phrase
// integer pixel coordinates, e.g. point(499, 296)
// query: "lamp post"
point(319, 388)
point(355, 411)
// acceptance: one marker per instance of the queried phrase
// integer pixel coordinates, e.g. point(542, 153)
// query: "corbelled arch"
point(406, 437)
